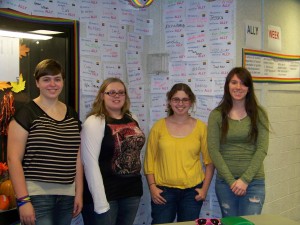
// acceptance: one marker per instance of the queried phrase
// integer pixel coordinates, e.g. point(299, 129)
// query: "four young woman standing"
point(45, 165)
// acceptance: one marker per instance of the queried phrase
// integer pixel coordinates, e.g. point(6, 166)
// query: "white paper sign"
point(253, 34)
point(274, 38)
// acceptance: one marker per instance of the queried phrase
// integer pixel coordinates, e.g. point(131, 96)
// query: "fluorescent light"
point(24, 35)
point(46, 32)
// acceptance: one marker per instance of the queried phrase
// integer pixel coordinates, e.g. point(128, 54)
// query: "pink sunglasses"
point(207, 221)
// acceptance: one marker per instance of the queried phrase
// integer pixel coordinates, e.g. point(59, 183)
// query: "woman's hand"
point(201, 194)
point(155, 195)
point(27, 214)
point(78, 204)
point(239, 187)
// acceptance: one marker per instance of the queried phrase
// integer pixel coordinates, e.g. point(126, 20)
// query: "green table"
point(264, 219)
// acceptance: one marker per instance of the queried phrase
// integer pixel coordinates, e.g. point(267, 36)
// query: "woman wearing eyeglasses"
point(178, 185)
point(111, 142)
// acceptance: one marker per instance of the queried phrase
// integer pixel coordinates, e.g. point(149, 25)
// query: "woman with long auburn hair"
point(238, 140)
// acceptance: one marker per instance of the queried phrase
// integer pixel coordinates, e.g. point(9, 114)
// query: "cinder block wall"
point(282, 102)
point(283, 162)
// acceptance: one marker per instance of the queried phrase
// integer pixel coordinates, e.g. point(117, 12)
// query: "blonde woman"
point(111, 144)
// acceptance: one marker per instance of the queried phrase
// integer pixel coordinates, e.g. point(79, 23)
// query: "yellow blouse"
point(175, 161)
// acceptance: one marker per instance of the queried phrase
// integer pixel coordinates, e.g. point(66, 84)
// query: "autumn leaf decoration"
point(18, 86)
point(4, 85)
point(23, 51)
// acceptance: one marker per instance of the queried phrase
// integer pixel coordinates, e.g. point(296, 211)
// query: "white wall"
point(282, 102)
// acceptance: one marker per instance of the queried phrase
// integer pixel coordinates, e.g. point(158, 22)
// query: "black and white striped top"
point(52, 146)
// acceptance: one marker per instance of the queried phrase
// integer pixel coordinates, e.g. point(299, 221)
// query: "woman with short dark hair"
point(43, 153)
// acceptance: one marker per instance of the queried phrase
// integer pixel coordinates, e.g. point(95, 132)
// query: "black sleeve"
point(74, 114)
point(26, 115)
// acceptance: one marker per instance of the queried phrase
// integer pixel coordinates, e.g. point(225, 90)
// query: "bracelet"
point(19, 204)
point(151, 184)
point(23, 200)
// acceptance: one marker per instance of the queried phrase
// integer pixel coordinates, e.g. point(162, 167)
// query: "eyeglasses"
point(207, 221)
point(114, 93)
point(177, 100)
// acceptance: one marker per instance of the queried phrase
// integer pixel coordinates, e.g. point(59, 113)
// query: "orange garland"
point(7, 111)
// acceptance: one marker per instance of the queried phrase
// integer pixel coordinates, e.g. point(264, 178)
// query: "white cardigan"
point(91, 139)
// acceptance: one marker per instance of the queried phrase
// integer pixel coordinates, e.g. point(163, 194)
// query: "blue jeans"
point(249, 204)
point(180, 202)
point(121, 212)
point(53, 209)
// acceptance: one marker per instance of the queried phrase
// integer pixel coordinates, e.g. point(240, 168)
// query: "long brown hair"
point(251, 105)
point(173, 91)
point(99, 109)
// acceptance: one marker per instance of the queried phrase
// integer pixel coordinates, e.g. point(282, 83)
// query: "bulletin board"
point(272, 67)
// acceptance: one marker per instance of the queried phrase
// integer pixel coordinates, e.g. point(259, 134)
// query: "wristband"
point(19, 204)
point(151, 184)
point(23, 200)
